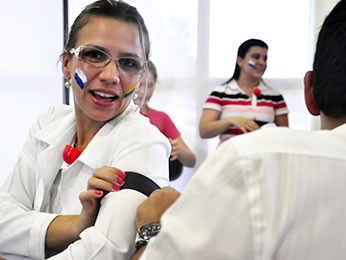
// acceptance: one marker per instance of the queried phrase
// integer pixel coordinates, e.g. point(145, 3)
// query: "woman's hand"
point(180, 151)
point(244, 124)
point(105, 179)
point(65, 229)
point(174, 149)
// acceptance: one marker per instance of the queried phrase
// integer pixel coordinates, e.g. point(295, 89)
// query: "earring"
point(135, 95)
point(68, 84)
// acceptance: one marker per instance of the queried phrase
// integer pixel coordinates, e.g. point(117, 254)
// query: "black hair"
point(329, 67)
point(242, 50)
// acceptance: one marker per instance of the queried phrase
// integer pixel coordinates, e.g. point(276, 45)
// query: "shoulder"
point(284, 141)
point(268, 90)
point(230, 87)
point(268, 140)
point(53, 114)
point(138, 127)
point(155, 112)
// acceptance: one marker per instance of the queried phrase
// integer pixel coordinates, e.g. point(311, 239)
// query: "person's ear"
point(239, 61)
point(65, 66)
point(308, 93)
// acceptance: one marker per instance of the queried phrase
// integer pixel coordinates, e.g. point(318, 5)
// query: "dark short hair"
point(329, 67)
point(113, 9)
point(242, 50)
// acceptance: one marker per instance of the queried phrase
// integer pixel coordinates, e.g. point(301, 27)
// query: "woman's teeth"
point(104, 95)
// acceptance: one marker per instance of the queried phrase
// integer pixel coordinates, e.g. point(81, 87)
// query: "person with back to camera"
point(73, 156)
point(180, 152)
point(277, 193)
point(244, 102)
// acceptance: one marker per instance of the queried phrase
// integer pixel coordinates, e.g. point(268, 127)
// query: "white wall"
point(31, 81)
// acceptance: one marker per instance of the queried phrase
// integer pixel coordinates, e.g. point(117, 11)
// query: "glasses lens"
point(131, 66)
point(94, 56)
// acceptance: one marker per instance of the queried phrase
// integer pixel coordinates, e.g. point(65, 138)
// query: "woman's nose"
point(110, 73)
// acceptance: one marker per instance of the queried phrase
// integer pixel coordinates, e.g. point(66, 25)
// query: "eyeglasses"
point(94, 56)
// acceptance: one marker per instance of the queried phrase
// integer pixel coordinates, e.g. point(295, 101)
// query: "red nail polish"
point(99, 192)
point(122, 174)
point(120, 181)
point(115, 187)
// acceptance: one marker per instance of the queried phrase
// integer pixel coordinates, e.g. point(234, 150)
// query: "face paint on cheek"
point(252, 64)
point(80, 78)
point(129, 90)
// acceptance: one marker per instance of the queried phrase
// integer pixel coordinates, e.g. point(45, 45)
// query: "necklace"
point(79, 147)
point(71, 153)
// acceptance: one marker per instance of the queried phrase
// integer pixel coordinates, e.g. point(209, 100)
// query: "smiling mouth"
point(103, 96)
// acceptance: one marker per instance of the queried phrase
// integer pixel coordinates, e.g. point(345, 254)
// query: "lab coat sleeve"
point(113, 235)
point(22, 227)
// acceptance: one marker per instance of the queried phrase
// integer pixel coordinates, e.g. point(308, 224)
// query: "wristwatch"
point(146, 232)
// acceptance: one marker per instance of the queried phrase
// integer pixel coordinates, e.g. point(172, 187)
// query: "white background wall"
point(29, 78)
point(31, 81)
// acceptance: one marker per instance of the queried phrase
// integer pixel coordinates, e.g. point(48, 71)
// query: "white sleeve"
point(114, 232)
point(211, 219)
point(22, 226)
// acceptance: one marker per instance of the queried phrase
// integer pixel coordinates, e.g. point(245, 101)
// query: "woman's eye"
point(256, 56)
point(94, 56)
point(128, 63)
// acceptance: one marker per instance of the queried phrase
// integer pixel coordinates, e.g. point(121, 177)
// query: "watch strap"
point(145, 233)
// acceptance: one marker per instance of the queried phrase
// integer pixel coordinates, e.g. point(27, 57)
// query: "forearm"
point(281, 120)
point(212, 129)
point(187, 157)
point(61, 232)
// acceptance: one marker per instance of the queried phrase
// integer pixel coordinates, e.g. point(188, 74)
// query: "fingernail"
point(120, 181)
point(99, 192)
point(115, 187)
point(122, 174)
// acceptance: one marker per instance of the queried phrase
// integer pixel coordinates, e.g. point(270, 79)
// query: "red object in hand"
point(257, 92)
point(70, 154)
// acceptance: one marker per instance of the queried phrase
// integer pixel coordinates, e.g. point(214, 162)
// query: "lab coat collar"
point(56, 135)
point(60, 132)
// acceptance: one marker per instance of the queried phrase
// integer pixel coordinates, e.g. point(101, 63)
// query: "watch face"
point(149, 230)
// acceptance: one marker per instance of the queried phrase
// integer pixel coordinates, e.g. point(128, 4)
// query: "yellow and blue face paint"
point(129, 90)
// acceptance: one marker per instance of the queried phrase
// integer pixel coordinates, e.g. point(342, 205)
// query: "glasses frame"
point(77, 51)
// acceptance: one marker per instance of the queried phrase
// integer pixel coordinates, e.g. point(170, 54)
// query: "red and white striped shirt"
point(231, 101)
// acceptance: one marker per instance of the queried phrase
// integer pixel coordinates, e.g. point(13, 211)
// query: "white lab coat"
point(128, 142)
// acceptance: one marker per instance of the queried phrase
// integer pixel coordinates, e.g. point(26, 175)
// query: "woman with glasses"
point(76, 155)
point(181, 154)
point(244, 102)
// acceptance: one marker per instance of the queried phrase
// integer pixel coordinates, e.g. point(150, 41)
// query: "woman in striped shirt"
point(244, 102)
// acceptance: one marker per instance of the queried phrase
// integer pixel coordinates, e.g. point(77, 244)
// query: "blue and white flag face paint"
point(252, 64)
point(80, 78)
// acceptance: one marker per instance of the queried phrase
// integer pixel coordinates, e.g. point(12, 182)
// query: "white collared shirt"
point(276, 193)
